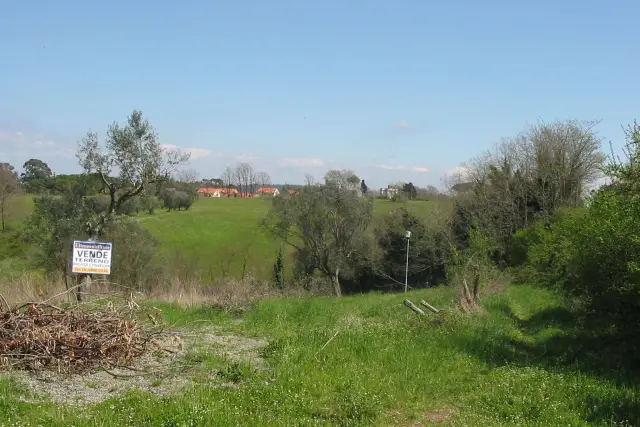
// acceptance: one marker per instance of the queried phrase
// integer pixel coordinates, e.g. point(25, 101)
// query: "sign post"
point(91, 258)
point(406, 271)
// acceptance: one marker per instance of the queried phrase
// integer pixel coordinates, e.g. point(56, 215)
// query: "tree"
point(263, 179)
point(132, 149)
point(363, 188)
point(188, 176)
point(410, 190)
point(36, 176)
point(342, 179)
point(228, 177)
point(245, 179)
point(429, 246)
point(542, 169)
point(9, 187)
point(35, 169)
point(309, 180)
point(325, 225)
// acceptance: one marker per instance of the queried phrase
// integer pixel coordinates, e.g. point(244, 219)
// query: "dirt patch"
point(160, 372)
point(439, 415)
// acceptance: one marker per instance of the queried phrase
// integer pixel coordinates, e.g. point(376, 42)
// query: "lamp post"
point(406, 271)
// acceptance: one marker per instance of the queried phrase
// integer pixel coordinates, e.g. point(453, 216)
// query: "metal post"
point(406, 271)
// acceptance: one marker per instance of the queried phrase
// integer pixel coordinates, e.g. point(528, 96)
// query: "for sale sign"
point(91, 258)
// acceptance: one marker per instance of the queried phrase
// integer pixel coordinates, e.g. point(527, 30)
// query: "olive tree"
point(325, 225)
point(134, 153)
point(130, 160)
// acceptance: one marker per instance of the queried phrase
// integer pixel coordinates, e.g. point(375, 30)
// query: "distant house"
point(388, 192)
point(293, 192)
point(218, 192)
point(267, 191)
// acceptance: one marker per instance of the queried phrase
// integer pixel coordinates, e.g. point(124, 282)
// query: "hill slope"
point(367, 360)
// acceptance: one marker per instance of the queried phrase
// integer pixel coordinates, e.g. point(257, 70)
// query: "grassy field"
point(216, 236)
point(368, 361)
point(223, 235)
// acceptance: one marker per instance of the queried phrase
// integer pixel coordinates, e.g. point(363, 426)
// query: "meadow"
point(368, 361)
point(217, 237)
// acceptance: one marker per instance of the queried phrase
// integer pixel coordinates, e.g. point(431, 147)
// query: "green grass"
point(215, 237)
point(223, 235)
point(367, 361)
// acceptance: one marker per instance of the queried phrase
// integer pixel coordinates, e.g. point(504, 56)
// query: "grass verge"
point(367, 360)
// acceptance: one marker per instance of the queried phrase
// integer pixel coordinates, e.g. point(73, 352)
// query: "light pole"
point(406, 270)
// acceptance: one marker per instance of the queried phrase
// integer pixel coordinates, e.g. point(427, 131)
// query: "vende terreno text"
point(91, 258)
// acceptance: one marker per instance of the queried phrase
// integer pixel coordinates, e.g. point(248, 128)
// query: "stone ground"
point(160, 372)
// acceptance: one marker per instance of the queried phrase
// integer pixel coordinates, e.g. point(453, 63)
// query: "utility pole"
point(406, 271)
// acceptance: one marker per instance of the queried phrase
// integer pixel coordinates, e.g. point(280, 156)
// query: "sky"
point(394, 90)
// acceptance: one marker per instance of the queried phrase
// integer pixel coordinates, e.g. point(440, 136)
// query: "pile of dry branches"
point(38, 335)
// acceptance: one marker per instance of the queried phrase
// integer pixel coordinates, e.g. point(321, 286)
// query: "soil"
point(158, 372)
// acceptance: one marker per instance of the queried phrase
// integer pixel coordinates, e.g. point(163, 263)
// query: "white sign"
point(91, 258)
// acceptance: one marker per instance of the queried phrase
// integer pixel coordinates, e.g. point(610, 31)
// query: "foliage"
point(133, 150)
point(136, 262)
point(325, 226)
point(428, 248)
point(36, 176)
point(176, 200)
point(9, 187)
point(278, 270)
point(52, 227)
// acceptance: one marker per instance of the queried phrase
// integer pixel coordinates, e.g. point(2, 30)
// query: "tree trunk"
point(336, 283)
point(85, 286)
point(476, 285)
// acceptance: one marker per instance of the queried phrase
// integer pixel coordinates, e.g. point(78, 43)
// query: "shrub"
point(135, 255)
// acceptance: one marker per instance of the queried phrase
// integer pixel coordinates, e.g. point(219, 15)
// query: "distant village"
point(391, 191)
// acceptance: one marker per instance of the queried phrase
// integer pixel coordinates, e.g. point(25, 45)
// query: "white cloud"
point(420, 169)
point(48, 143)
point(300, 162)
point(392, 167)
point(403, 125)
point(19, 134)
point(197, 153)
point(247, 157)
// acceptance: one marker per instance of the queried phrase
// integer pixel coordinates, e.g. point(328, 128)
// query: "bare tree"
point(309, 180)
point(263, 179)
point(188, 176)
point(244, 178)
point(9, 187)
point(533, 174)
point(228, 177)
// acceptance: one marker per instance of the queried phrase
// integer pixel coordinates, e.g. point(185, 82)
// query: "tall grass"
point(367, 360)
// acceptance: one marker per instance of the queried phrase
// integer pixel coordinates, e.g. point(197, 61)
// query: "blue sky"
point(396, 90)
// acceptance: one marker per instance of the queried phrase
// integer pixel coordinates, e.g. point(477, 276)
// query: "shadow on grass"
point(558, 338)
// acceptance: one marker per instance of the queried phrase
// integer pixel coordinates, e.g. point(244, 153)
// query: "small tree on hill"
point(325, 225)
point(132, 149)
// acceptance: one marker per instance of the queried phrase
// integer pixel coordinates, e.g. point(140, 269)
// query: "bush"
point(593, 255)
point(428, 248)
point(150, 203)
point(129, 207)
point(98, 204)
point(176, 200)
point(135, 255)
